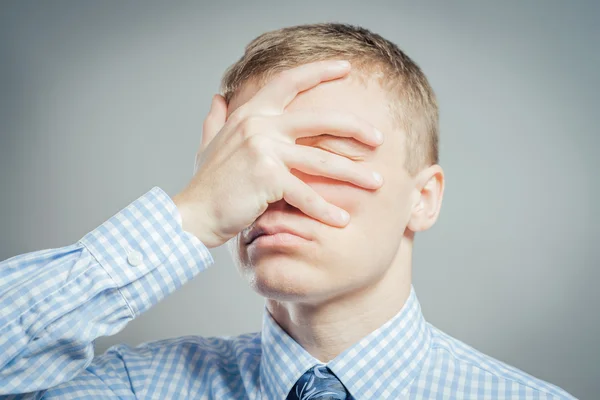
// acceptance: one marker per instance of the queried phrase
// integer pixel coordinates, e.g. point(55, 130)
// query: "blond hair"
point(413, 106)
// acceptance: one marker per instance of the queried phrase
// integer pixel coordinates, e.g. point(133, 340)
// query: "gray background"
point(100, 101)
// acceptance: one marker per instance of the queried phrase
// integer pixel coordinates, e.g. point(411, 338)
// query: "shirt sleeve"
point(55, 303)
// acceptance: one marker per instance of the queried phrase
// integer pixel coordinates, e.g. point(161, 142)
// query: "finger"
point(319, 162)
point(214, 121)
point(281, 90)
point(303, 197)
point(314, 122)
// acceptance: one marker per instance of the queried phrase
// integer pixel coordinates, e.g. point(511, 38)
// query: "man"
point(317, 166)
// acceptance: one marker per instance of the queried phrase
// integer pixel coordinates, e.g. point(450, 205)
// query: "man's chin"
point(286, 279)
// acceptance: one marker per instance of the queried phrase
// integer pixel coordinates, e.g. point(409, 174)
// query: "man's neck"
point(327, 329)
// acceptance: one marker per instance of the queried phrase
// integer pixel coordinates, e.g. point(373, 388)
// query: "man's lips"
point(261, 230)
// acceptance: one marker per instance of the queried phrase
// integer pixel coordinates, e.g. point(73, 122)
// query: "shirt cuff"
point(146, 252)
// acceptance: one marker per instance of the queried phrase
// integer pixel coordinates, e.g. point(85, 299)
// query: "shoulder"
point(194, 366)
point(209, 348)
point(467, 373)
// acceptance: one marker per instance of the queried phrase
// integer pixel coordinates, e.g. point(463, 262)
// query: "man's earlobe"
point(427, 207)
point(417, 222)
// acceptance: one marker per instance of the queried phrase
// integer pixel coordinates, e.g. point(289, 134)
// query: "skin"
point(331, 291)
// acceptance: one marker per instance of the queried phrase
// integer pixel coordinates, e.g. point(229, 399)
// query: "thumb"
point(214, 120)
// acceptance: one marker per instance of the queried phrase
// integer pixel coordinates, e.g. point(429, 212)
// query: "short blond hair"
point(413, 106)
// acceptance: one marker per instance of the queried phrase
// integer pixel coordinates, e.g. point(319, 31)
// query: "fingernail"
point(345, 217)
point(377, 177)
point(379, 136)
point(342, 64)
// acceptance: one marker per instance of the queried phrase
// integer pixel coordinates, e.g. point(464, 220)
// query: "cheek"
point(373, 213)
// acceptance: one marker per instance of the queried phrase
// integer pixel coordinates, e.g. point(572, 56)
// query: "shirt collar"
point(380, 365)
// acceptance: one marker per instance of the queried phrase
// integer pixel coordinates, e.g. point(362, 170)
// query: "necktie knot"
point(318, 383)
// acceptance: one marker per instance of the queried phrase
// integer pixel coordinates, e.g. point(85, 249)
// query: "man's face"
point(337, 260)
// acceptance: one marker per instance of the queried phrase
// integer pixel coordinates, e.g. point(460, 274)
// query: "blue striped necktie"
point(318, 383)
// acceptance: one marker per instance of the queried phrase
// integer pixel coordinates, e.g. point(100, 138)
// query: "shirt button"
point(135, 258)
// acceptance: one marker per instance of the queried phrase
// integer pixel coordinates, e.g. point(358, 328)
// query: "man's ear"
point(429, 191)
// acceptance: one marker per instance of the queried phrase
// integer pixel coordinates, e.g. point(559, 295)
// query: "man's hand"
point(244, 162)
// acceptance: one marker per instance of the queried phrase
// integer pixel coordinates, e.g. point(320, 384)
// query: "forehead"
point(362, 97)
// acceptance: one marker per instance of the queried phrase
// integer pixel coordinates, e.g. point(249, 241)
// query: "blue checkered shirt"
point(54, 303)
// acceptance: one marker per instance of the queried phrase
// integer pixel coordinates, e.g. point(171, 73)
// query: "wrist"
point(195, 220)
